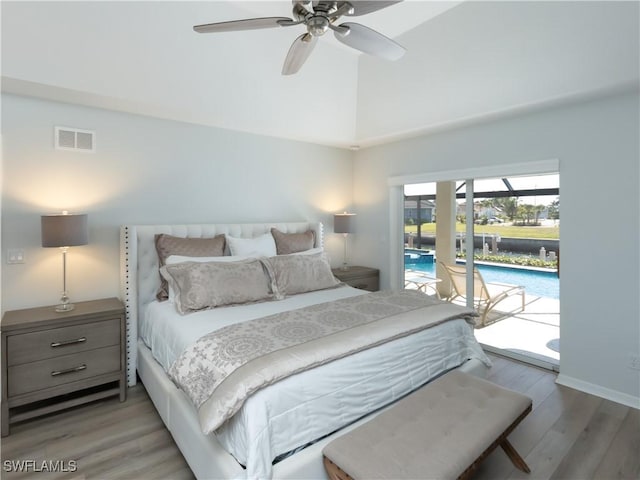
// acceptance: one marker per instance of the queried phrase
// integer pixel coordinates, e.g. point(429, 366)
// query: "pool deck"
point(532, 333)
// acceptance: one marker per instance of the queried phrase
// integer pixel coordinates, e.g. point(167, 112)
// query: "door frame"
point(396, 202)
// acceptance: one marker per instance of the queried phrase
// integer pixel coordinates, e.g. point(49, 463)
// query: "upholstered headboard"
point(139, 264)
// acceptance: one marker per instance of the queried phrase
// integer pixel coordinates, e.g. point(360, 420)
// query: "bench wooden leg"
point(514, 456)
point(334, 471)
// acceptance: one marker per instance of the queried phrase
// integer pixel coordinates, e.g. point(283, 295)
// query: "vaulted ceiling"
point(465, 61)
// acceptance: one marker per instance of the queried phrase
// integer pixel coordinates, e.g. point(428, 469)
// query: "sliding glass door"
point(492, 244)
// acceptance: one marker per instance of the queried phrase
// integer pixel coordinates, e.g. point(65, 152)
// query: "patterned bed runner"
point(223, 368)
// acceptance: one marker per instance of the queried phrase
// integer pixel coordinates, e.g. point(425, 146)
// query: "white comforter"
point(309, 405)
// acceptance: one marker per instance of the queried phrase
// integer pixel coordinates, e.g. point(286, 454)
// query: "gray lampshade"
point(64, 230)
point(344, 222)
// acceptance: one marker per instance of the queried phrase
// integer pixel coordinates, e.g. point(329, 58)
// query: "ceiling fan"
point(319, 16)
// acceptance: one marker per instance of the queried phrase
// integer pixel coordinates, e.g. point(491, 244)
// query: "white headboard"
point(139, 265)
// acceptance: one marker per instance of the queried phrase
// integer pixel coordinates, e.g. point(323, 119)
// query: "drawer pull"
point(68, 342)
point(68, 370)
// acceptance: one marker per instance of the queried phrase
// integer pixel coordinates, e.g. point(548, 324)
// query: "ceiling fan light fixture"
point(317, 25)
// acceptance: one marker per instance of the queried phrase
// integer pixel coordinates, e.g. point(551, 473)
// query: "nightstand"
point(365, 278)
point(52, 361)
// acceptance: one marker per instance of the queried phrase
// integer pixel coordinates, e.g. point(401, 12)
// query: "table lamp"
point(344, 223)
point(64, 230)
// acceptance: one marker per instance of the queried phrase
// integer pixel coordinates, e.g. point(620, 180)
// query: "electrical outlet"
point(634, 362)
point(15, 255)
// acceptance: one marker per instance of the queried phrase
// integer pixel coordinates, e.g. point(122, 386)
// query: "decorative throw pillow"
point(302, 273)
point(175, 259)
point(167, 245)
point(262, 246)
point(198, 286)
point(287, 243)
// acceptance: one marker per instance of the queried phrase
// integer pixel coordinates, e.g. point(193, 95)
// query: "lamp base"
point(344, 267)
point(64, 307)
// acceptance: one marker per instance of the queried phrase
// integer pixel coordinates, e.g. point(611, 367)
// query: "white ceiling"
point(465, 61)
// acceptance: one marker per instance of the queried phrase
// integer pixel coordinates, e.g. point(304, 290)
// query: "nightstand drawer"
point(34, 376)
point(55, 342)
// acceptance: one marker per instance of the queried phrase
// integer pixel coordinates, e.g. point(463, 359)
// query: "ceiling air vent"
point(75, 139)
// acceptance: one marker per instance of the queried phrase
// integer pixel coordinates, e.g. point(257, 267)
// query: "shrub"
point(522, 260)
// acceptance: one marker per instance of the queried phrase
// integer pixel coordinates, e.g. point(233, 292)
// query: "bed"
point(278, 431)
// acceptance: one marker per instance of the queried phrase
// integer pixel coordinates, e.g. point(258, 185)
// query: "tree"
point(483, 209)
point(509, 206)
point(538, 209)
point(525, 212)
point(554, 209)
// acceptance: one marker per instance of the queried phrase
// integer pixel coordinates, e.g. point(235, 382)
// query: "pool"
point(538, 283)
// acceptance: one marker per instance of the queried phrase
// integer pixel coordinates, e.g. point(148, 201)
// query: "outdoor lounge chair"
point(417, 280)
point(485, 296)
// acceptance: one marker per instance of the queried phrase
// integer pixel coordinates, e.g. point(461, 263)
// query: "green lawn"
point(507, 231)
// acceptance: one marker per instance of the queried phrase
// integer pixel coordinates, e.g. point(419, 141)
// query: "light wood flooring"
point(568, 435)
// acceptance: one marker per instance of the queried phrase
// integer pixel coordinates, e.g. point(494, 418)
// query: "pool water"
point(538, 283)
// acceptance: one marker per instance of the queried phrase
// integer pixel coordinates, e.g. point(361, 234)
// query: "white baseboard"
point(529, 358)
point(598, 391)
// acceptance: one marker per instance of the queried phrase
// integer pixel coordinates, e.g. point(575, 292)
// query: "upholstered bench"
point(441, 431)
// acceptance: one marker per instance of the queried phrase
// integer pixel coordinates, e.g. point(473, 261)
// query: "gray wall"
point(155, 171)
point(146, 171)
point(596, 143)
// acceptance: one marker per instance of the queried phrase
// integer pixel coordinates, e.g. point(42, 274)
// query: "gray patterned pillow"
point(287, 243)
point(302, 273)
point(190, 247)
point(198, 286)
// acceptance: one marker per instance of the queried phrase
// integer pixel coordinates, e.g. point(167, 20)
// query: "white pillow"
point(262, 246)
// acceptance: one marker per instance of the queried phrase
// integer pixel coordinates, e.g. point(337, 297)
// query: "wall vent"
point(75, 139)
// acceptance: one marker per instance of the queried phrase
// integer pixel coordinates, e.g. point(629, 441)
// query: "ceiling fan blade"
point(362, 7)
point(369, 41)
point(298, 53)
point(248, 24)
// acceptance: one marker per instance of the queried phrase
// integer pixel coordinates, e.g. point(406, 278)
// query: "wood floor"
point(568, 435)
